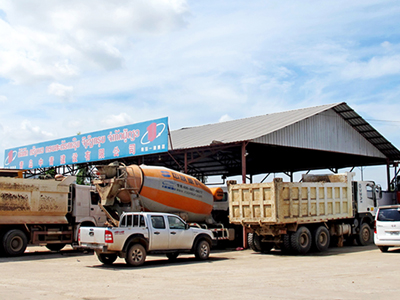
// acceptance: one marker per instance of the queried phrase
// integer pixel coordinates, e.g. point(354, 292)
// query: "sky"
point(69, 67)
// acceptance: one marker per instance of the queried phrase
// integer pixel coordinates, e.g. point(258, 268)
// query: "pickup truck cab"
point(139, 234)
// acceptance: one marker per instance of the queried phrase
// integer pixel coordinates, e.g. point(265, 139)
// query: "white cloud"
point(61, 91)
point(123, 62)
point(54, 40)
point(374, 68)
point(3, 99)
point(225, 118)
point(117, 120)
point(32, 132)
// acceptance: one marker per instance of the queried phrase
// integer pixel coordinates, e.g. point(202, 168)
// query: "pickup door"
point(169, 232)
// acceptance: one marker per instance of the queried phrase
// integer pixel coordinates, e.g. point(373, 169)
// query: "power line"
point(384, 121)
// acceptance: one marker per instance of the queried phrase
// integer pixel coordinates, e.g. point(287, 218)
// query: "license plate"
point(393, 232)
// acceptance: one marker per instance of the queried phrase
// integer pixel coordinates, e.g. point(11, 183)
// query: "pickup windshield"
point(389, 214)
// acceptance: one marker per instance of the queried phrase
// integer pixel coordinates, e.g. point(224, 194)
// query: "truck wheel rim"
point(203, 250)
point(365, 234)
point(304, 240)
point(16, 243)
point(323, 239)
point(137, 255)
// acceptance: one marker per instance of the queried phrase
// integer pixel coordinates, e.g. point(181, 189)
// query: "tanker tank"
point(153, 188)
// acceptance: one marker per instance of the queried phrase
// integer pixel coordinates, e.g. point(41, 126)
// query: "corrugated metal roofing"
point(252, 128)
point(242, 129)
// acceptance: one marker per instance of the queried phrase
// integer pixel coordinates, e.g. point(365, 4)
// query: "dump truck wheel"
point(107, 259)
point(172, 256)
point(286, 246)
point(55, 247)
point(301, 240)
point(258, 245)
point(250, 241)
point(14, 242)
point(364, 237)
point(321, 238)
point(383, 248)
point(202, 251)
point(136, 255)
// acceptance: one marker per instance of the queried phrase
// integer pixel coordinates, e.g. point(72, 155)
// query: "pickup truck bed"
point(140, 234)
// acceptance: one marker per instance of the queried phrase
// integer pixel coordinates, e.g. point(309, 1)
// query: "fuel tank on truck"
point(158, 189)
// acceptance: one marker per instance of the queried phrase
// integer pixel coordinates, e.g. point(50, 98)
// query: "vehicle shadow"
point(332, 251)
point(158, 262)
point(44, 255)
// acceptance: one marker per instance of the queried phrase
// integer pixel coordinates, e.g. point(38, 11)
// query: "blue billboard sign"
point(130, 140)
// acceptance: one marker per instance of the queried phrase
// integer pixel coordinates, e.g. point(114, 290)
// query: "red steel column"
point(244, 162)
point(245, 246)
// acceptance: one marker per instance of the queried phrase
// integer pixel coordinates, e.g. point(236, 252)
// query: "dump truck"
point(137, 188)
point(44, 212)
point(297, 217)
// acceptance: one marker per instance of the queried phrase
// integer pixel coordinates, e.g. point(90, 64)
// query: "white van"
point(387, 227)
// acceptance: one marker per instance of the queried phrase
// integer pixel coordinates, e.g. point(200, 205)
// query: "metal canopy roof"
point(367, 131)
point(329, 136)
point(216, 149)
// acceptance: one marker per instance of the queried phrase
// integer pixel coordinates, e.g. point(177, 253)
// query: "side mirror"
point(187, 226)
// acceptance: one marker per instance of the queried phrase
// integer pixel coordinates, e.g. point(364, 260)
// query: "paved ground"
point(341, 273)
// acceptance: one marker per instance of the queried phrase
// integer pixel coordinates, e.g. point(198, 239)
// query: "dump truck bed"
point(281, 202)
point(31, 201)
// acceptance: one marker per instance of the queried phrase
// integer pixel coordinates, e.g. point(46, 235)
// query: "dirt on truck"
point(45, 212)
point(300, 216)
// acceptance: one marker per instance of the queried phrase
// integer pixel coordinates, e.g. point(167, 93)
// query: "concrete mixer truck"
point(136, 188)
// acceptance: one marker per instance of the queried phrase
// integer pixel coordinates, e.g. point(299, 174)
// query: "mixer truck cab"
point(139, 234)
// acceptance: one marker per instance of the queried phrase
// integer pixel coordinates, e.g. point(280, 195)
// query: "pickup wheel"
point(136, 255)
point(301, 240)
point(107, 259)
point(383, 248)
point(202, 251)
point(364, 237)
point(14, 242)
point(172, 256)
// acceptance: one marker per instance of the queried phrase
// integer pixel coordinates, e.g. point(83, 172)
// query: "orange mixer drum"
point(165, 190)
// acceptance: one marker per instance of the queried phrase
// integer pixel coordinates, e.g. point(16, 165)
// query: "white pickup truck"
point(140, 233)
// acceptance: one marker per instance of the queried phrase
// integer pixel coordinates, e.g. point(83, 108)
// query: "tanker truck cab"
point(139, 234)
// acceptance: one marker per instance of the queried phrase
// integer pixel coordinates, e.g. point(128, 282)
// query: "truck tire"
point(107, 259)
point(321, 238)
point(301, 240)
point(202, 251)
point(250, 241)
point(260, 246)
point(14, 242)
point(286, 246)
point(55, 247)
point(364, 237)
point(172, 256)
point(136, 255)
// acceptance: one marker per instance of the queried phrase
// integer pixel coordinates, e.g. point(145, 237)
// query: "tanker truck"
point(299, 216)
point(44, 212)
point(136, 188)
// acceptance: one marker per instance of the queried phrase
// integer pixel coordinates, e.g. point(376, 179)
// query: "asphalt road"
point(340, 273)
